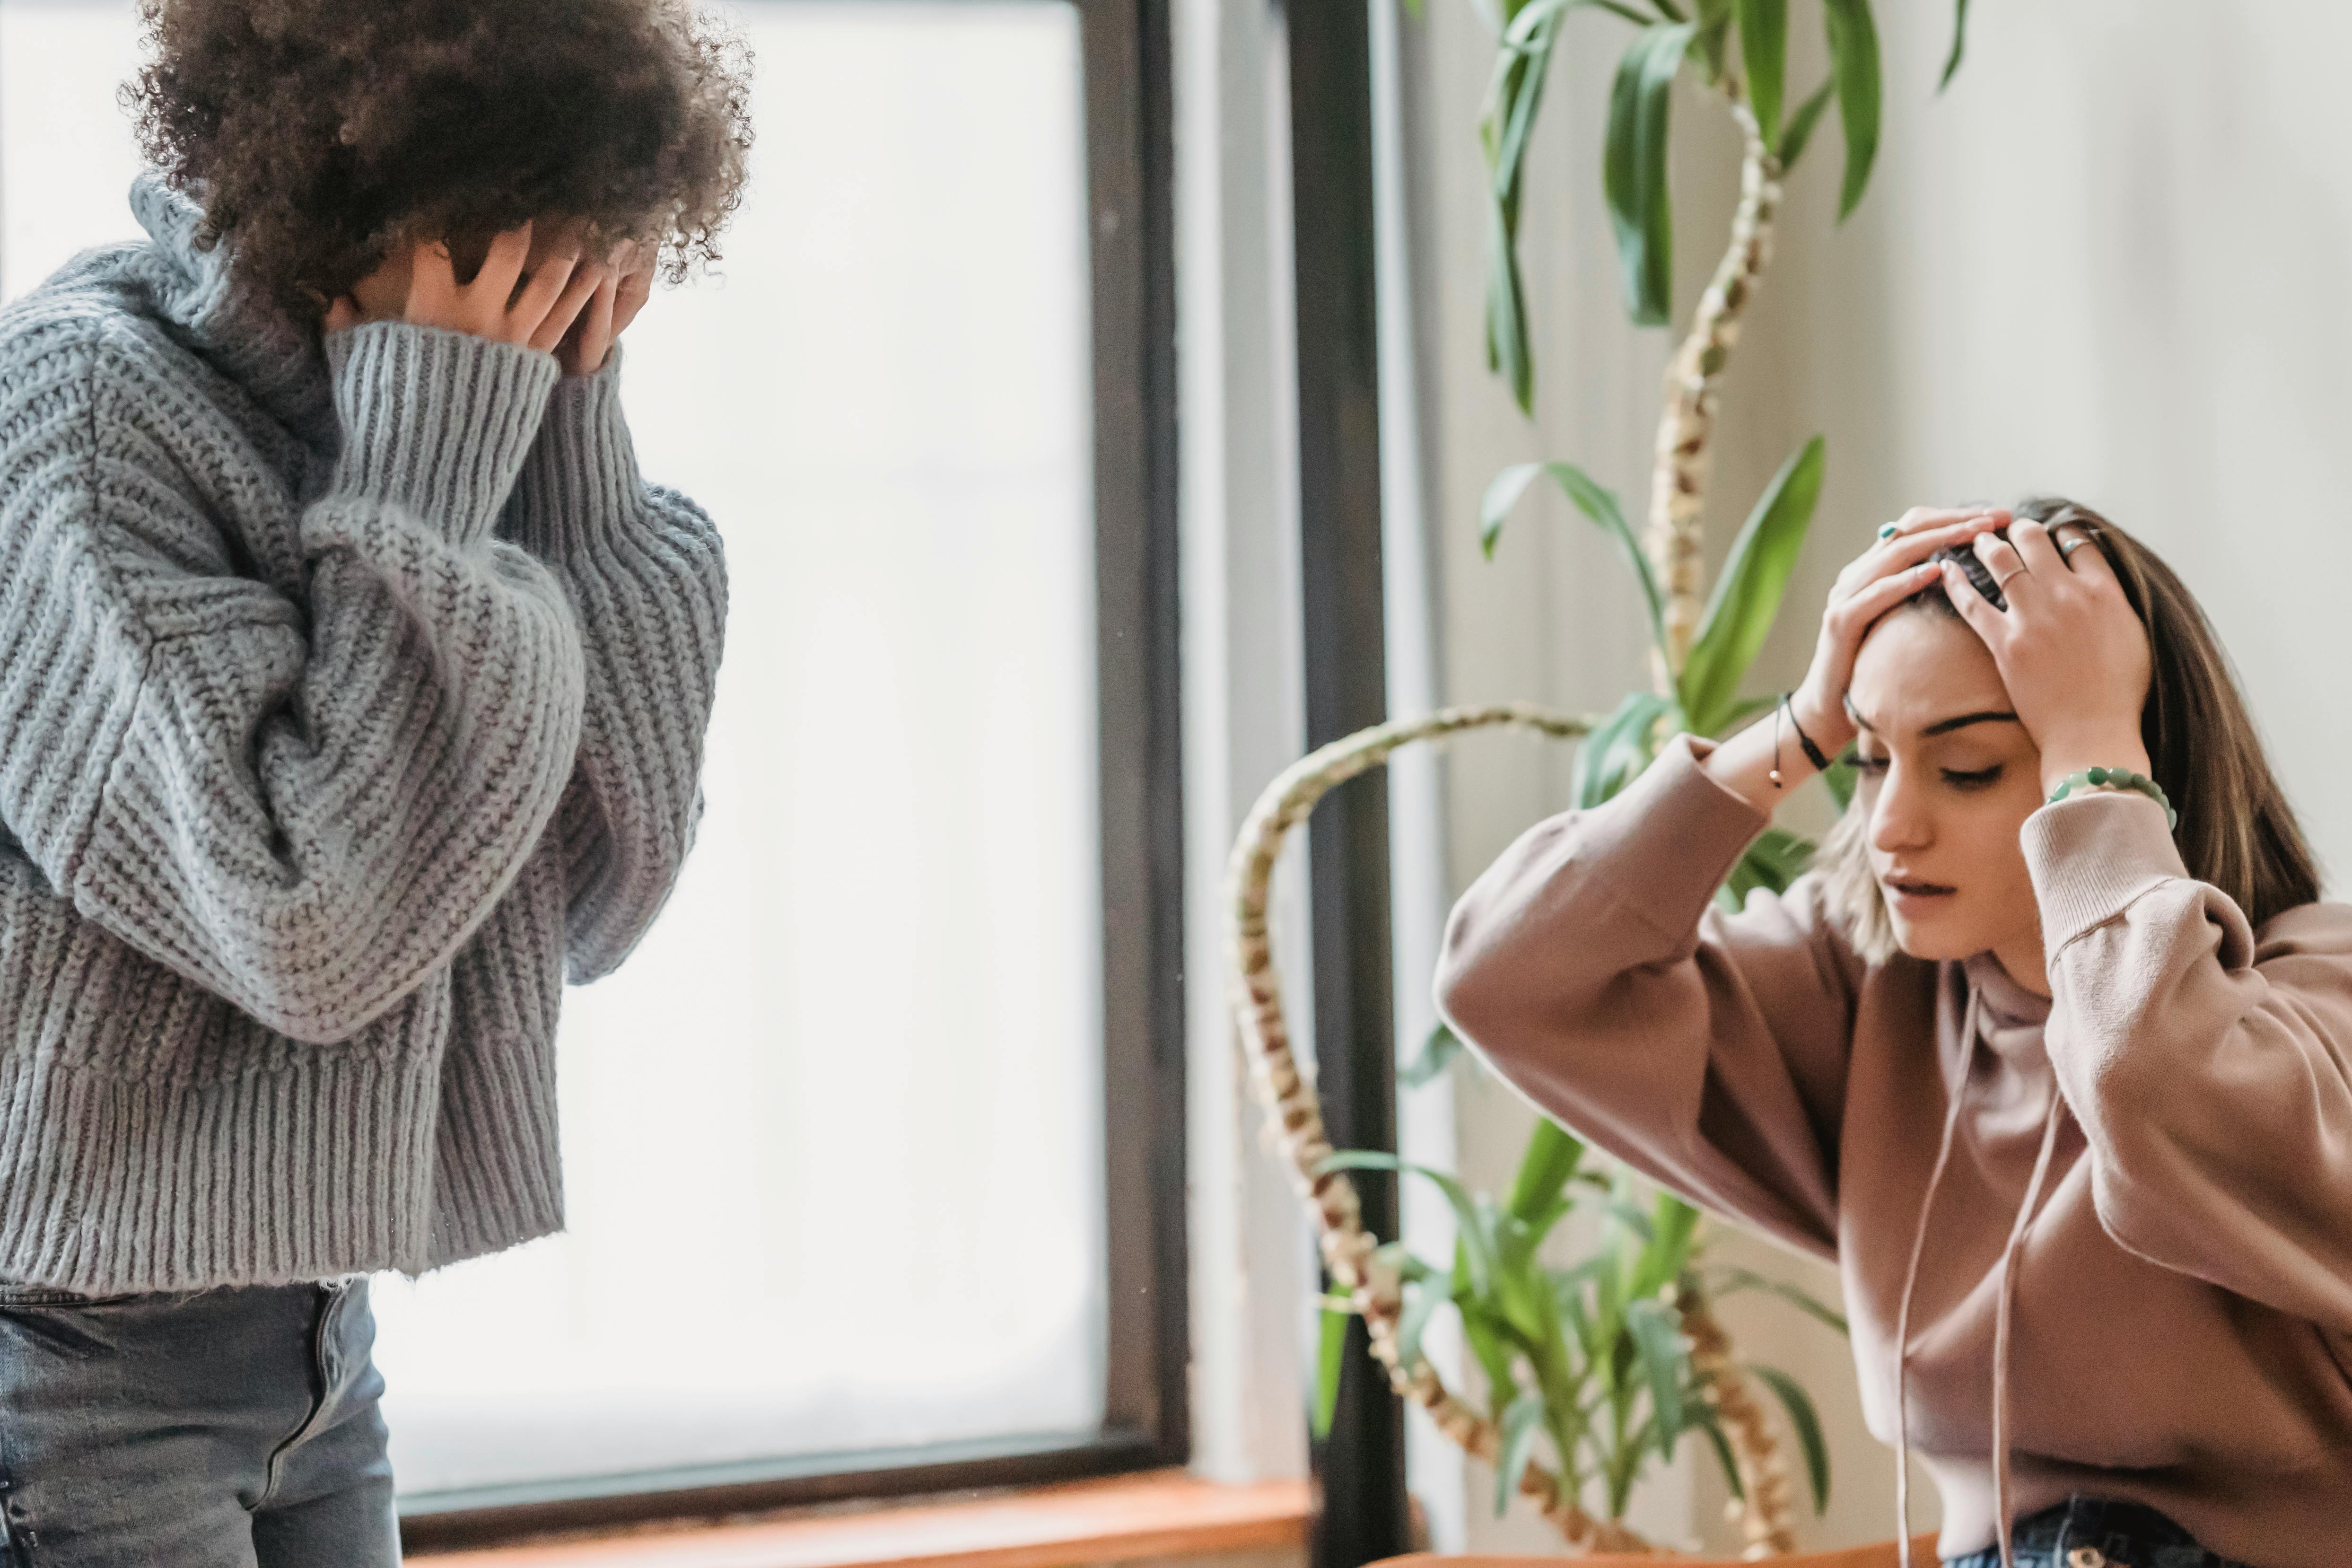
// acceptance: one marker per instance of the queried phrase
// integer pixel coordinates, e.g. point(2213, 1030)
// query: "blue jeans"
point(2085, 1531)
point(226, 1428)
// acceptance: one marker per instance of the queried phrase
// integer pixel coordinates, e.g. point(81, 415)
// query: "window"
point(873, 1147)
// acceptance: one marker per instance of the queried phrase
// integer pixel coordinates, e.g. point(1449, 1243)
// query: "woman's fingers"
point(432, 285)
point(580, 284)
point(2088, 560)
point(1861, 611)
point(538, 305)
point(1931, 517)
point(1980, 612)
point(2030, 540)
point(594, 343)
point(502, 267)
point(2000, 558)
point(1905, 551)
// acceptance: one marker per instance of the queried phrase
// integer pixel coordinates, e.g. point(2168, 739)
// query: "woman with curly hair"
point(352, 689)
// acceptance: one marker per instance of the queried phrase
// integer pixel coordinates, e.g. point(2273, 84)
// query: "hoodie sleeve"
point(1592, 969)
point(647, 573)
point(306, 808)
point(2209, 1064)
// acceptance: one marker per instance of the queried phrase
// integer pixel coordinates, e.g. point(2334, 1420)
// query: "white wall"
point(2105, 263)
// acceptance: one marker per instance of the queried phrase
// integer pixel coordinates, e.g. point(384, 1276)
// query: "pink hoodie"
point(2181, 1291)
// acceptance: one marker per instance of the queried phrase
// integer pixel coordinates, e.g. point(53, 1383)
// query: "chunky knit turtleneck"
point(351, 698)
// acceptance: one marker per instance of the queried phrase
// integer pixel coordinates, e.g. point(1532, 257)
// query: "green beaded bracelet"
point(2117, 778)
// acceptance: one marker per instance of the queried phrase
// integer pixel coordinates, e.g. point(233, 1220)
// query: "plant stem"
point(1769, 1518)
point(1675, 538)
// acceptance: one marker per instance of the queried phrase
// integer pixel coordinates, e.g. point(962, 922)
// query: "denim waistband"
point(2096, 1532)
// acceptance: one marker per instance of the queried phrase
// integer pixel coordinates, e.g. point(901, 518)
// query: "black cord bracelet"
point(1813, 752)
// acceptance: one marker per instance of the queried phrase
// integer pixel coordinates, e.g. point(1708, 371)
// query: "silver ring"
point(2066, 550)
point(2003, 583)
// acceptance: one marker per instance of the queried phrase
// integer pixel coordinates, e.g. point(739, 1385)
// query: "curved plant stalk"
point(1768, 1513)
point(1675, 538)
point(1374, 1289)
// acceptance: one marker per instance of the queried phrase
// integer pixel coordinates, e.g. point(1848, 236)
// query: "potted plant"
point(1605, 1363)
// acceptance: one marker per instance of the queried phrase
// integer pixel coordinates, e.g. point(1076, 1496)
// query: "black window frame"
point(1126, 54)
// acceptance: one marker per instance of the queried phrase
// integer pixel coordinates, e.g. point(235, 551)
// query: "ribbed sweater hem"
point(126, 1185)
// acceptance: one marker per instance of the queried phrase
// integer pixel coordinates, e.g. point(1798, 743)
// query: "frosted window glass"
point(833, 1134)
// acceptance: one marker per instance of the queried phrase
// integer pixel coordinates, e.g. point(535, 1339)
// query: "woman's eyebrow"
point(1946, 726)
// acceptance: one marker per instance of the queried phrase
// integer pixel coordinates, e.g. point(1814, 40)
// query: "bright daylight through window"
point(833, 1134)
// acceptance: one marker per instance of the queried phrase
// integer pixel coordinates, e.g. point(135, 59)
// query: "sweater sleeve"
point(647, 573)
point(2209, 1064)
point(303, 807)
point(1591, 968)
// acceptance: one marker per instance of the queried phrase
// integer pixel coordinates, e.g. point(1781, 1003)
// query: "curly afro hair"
point(317, 135)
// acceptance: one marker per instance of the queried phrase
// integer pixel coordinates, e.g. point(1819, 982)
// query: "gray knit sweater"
point(350, 703)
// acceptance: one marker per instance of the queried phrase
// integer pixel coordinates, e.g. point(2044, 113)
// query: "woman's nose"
point(1899, 817)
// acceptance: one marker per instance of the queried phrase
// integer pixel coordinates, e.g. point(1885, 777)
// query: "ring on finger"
point(1887, 530)
point(2003, 583)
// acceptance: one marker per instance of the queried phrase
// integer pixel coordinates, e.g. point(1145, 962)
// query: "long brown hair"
point(2236, 831)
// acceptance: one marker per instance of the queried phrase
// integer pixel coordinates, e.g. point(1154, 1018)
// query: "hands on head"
point(546, 296)
point(2072, 653)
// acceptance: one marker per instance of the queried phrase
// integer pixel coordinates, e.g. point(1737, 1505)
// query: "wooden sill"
point(1159, 1513)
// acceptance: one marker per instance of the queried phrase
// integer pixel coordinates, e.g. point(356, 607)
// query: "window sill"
point(1161, 1513)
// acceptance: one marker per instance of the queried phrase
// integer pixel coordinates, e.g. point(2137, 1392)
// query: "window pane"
point(833, 1135)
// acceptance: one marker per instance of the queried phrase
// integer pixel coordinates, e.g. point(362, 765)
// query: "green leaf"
point(1734, 1280)
point(1840, 780)
point(1959, 44)
point(1580, 1323)
point(1746, 708)
point(1595, 502)
point(1794, 139)
point(1437, 1054)
point(1508, 353)
point(1764, 50)
point(1714, 29)
point(1521, 1423)
point(1473, 1229)
point(1634, 171)
point(1807, 1423)
point(1776, 859)
point(1396, 1256)
point(1481, 1333)
point(1747, 594)
point(1673, 1224)
point(1330, 1353)
point(1521, 65)
point(1552, 1155)
point(1626, 1214)
point(1617, 750)
point(1413, 1322)
point(1854, 65)
point(1657, 1336)
point(1707, 1423)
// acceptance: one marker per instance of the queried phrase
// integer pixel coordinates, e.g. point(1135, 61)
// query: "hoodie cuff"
point(1685, 832)
point(433, 421)
point(580, 479)
point(2091, 856)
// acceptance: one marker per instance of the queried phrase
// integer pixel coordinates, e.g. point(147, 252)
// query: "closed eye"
point(1981, 778)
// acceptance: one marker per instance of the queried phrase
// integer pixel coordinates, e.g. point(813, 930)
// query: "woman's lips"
point(1915, 896)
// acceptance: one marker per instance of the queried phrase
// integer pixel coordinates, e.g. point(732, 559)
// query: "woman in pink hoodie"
point(2062, 1083)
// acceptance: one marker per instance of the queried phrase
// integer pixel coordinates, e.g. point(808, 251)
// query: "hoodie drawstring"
point(2002, 1319)
point(2003, 1311)
point(1911, 1278)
